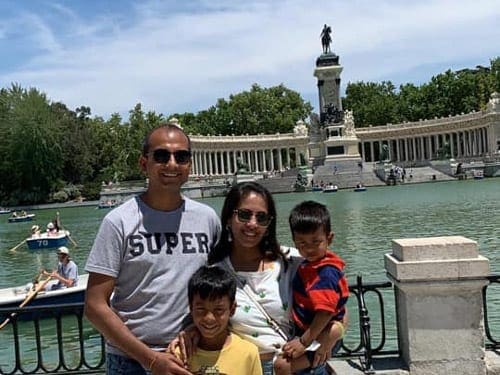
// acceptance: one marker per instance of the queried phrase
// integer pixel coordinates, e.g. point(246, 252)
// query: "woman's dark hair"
point(269, 245)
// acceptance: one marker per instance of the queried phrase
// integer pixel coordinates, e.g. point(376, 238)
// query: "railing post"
point(438, 284)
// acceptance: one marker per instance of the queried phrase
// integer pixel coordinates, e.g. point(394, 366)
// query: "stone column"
point(437, 285)
point(406, 140)
point(205, 167)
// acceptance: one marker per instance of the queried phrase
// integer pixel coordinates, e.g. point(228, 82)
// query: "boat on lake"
point(478, 174)
point(21, 218)
point(14, 296)
point(4, 211)
point(330, 189)
point(48, 240)
point(359, 188)
point(107, 204)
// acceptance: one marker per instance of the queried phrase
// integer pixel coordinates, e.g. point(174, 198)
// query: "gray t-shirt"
point(152, 254)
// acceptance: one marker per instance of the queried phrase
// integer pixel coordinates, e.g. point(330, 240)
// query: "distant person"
point(143, 256)
point(51, 229)
point(212, 293)
point(320, 288)
point(66, 272)
point(57, 222)
point(35, 231)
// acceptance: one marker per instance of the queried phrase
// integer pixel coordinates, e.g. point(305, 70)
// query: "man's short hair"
point(308, 216)
point(168, 126)
point(211, 282)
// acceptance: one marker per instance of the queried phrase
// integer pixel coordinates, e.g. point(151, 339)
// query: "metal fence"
point(60, 340)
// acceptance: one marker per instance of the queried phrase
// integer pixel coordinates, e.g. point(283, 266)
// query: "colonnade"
point(256, 158)
point(475, 134)
point(458, 144)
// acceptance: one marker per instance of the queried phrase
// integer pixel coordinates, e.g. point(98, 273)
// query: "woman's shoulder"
point(290, 252)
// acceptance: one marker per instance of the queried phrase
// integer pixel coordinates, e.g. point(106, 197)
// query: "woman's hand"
point(184, 344)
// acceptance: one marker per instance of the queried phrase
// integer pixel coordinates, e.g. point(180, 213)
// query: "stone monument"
point(332, 136)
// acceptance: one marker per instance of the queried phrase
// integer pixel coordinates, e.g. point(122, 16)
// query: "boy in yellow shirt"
point(211, 293)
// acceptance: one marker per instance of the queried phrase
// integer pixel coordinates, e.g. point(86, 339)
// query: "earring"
point(229, 235)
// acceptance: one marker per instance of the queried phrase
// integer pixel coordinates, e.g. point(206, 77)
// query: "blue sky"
point(180, 56)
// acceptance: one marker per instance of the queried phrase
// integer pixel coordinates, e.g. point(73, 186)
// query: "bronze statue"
point(326, 38)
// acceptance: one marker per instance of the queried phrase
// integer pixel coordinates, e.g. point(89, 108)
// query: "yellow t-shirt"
point(239, 357)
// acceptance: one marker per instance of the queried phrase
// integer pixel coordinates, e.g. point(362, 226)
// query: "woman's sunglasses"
point(244, 216)
point(162, 156)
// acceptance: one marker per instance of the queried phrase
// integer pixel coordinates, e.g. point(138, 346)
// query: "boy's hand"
point(184, 345)
point(294, 348)
point(321, 356)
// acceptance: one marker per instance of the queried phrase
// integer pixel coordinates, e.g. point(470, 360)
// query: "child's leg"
point(285, 366)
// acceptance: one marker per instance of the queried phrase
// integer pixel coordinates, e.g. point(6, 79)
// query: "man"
point(144, 253)
point(67, 270)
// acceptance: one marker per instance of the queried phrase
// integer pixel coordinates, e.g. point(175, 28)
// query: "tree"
point(372, 103)
point(33, 142)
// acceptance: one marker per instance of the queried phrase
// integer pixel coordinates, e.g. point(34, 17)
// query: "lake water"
point(364, 225)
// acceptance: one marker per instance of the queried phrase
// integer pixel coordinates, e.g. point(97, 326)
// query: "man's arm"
point(102, 317)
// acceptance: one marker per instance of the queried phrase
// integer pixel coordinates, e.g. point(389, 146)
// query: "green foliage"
point(48, 151)
point(91, 190)
point(448, 93)
point(260, 110)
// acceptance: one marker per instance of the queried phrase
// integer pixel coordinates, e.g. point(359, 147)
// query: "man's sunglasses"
point(244, 216)
point(162, 155)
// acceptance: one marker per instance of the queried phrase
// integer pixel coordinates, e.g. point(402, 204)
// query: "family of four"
point(251, 306)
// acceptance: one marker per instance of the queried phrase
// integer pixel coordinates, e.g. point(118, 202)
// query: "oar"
point(32, 294)
point(72, 240)
point(17, 246)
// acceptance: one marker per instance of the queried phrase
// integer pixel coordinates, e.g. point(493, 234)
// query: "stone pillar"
point(437, 285)
point(407, 158)
point(205, 167)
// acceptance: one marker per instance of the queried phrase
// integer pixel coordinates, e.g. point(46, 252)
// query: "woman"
point(249, 249)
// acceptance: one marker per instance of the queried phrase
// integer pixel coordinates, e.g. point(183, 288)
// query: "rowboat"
point(21, 218)
point(48, 240)
point(478, 174)
point(330, 189)
point(107, 204)
point(14, 296)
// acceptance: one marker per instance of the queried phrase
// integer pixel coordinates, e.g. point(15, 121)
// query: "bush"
point(91, 191)
point(60, 196)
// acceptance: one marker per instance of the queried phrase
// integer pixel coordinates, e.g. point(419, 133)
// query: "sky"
point(181, 56)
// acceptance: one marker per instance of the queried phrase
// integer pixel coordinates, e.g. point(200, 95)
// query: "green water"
point(364, 225)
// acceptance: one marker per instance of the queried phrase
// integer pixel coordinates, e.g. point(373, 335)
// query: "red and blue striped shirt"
point(319, 285)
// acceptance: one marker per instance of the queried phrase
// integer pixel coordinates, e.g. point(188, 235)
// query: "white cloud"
point(176, 60)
